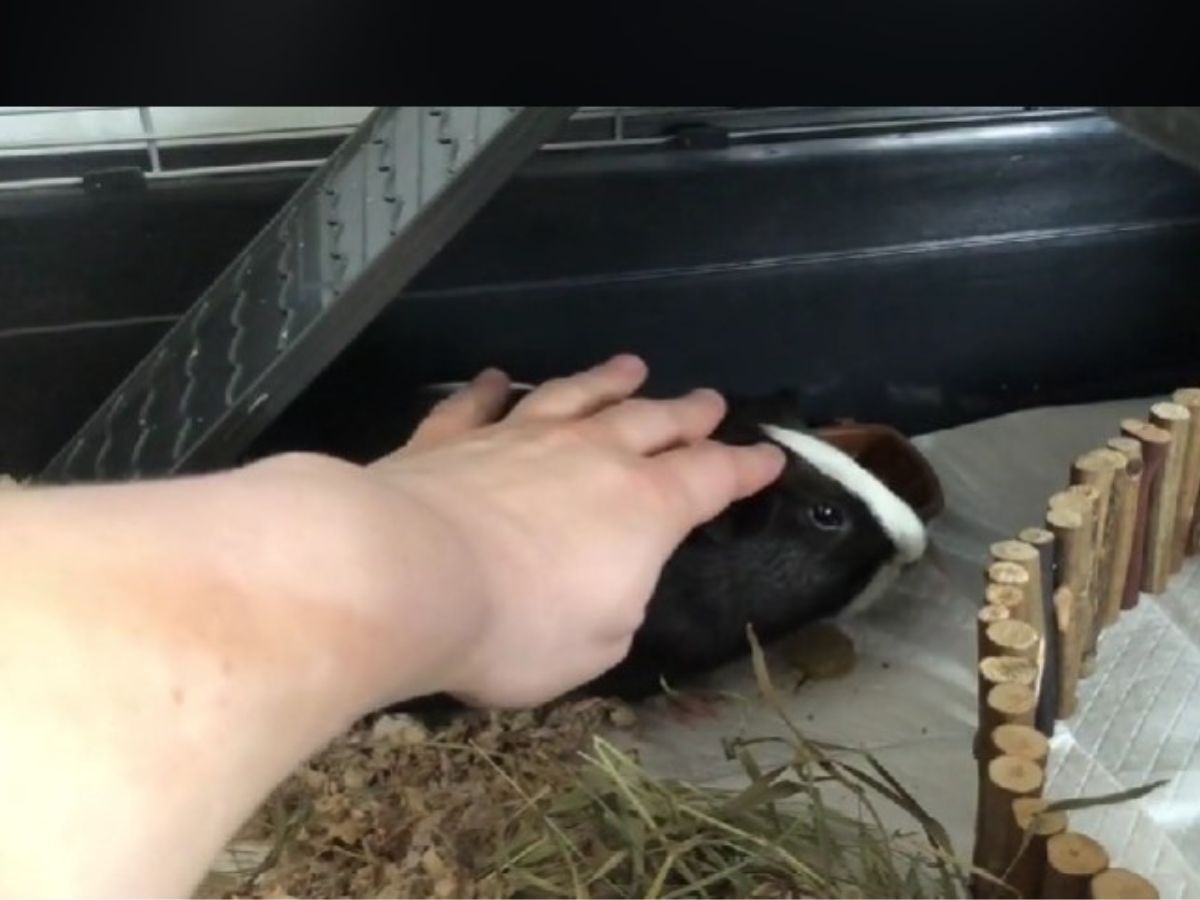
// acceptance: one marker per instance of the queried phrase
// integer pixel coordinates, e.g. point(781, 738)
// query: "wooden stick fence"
point(1122, 526)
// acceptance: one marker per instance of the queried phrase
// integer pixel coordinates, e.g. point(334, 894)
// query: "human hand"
point(562, 515)
point(177, 646)
point(476, 404)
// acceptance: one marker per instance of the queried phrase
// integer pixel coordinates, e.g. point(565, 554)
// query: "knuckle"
point(546, 396)
point(569, 436)
point(663, 486)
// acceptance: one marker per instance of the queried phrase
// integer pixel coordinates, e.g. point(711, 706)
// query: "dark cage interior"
point(922, 270)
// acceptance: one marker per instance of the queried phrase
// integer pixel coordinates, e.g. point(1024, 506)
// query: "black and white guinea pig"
point(824, 539)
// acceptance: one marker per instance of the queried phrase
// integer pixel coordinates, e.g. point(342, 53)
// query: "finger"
point(479, 403)
point(585, 393)
point(701, 480)
point(651, 426)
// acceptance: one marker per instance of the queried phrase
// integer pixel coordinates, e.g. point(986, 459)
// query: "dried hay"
point(536, 804)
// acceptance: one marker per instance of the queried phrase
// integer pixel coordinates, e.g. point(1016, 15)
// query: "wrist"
point(182, 645)
point(376, 577)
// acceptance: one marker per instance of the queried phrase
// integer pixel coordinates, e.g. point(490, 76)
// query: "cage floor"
point(911, 698)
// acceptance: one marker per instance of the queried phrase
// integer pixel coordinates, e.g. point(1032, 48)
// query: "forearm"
point(169, 653)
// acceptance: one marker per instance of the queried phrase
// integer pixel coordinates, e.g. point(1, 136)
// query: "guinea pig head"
point(830, 533)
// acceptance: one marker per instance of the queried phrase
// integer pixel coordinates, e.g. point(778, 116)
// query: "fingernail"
point(709, 393)
point(627, 361)
point(489, 374)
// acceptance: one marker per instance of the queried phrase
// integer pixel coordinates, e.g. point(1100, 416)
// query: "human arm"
point(171, 650)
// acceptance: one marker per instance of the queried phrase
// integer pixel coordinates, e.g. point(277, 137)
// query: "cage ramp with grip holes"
point(354, 235)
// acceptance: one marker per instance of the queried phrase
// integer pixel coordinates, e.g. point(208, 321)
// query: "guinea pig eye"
point(825, 516)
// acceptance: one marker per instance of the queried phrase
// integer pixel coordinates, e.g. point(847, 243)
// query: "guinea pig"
point(822, 540)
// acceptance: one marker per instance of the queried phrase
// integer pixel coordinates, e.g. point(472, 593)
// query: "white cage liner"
point(912, 697)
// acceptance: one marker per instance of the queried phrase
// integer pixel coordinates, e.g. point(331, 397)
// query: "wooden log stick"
point(1019, 740)
point(1121, 884)
point(1011, 575)
point(994, 670)
point(1072, 497)
point(989, 614)
point(1014, 575)
point(1008, 740)
point(1012, 638)
point(1007, 595)
point(1007, 778)
point(1189, 484)
point(1087, 491)
point(1072, 860)
point(1085, 498)
point(1129, 447)
point(1070, 656)
point(1153, 442)
point(1099, 468)
point(1127, 484)
point(1009, 702)
point(1071, 565)
point(1042, 540)
point(1034, 827)
point(1026, 556)
point(1175, 420)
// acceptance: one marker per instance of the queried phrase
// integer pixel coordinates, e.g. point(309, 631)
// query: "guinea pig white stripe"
point(896, 517)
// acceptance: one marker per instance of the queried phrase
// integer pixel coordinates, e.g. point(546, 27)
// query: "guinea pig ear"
point(783, 407)
point(788, 410)
point(739, 427)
